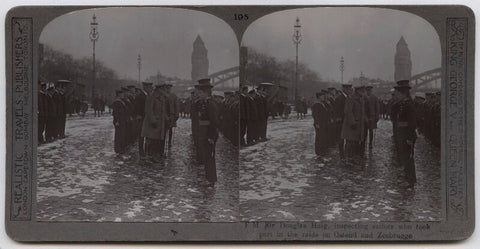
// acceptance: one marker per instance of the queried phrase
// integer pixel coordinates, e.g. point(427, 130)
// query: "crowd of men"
point(228, 116)
point(429, 116)
point(52, 112)
point(149, 116)
point(98, 105)
point(349, 118)
point(184, 107)
point(301, 107)
point(253, 115)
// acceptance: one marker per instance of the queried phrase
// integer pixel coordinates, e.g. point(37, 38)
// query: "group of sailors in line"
point(254, 112)
point(429, 116)
point(52, 112)
point(349, 118)
point(150, 116)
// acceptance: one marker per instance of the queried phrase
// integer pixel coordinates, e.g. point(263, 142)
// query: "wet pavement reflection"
point(283, 179)
point(80, 178)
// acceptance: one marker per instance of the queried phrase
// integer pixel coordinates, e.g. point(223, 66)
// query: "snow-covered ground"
point(80, 178)
point(283, 179)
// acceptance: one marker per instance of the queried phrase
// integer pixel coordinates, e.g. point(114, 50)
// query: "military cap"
point(130, 86)
point(168, 85)
point(324, 91)
point(331, 88)
point(347, 85)
point(369, 87)
point(318, 94)
point(147, 83)
point(204, 83)
point(117, 92)
point(124, 88)
point(438, 93)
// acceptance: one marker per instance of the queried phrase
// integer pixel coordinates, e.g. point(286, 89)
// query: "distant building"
point(403, 64)
point(199, 60)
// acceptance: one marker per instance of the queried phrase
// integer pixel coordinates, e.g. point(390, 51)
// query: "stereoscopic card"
point(240, 123)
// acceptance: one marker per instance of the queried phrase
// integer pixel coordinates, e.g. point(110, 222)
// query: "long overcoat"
point(373, 111)
point(155, 116)
point(354, 119)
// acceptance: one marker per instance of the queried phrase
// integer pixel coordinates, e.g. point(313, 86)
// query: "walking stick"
point(173, 134)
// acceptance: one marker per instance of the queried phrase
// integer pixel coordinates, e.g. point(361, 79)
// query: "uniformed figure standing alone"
point(373, 114)
point(208, 129)
point(319, 113)
point(353, 124)
point(340, 108)
point(42, 111)
point(173, 104)
point(119, 122)
point(153, 128)
point(404, 111)
point(140, 111)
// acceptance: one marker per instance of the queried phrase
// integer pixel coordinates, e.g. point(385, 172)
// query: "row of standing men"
point(153, 112)
point(429, 116)
point(132, 117)
point(254, 113)
point(349, 118)
point(344, 118)
point(52, 112)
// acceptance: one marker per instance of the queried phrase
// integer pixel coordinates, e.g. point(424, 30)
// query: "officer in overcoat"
point(153, 128)
point(208, 129)
point(353, 124)
point(50, 129)
point(252, 118)
point(140, 101)
point(60, 117)
point(373, 114)
point(244, 114)
point(319, 113)
point(42, 111)
point(262, 107)
point(173, 104)
point(404, 110)
point(119, 122)
point(339, 109)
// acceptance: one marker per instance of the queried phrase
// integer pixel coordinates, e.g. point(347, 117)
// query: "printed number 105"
point(240, 17)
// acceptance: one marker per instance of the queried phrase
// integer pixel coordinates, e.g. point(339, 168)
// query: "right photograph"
point(340, 117)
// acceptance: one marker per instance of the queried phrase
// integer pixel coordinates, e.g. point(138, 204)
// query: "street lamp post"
point(297, 38)
point(139, 66)
point(94, 38)
point(342, 67)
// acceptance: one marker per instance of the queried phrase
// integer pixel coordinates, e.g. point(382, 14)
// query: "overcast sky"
point(164, 38)
point(366, 37)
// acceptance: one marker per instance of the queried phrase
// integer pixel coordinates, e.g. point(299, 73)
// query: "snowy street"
point(283, 179)
point(80, 178)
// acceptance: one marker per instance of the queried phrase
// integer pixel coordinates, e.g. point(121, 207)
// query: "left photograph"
point(138, 117)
